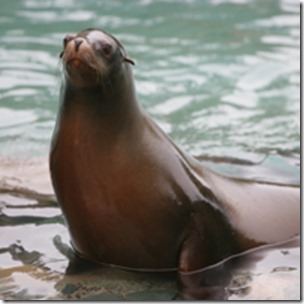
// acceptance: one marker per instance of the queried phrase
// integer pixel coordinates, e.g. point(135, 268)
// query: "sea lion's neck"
point(111, 106)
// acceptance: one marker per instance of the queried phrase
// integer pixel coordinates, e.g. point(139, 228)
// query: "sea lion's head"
point(91, 57)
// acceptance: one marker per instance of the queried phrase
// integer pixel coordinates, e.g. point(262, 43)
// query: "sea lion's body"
point(133, 199)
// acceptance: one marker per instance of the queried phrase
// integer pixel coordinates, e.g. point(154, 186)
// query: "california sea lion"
point(130, 196)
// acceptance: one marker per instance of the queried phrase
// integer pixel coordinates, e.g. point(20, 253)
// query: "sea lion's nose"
point(78, 42)
point(68, 38)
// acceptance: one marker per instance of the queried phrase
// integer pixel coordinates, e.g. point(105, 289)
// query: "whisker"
point(59, 67)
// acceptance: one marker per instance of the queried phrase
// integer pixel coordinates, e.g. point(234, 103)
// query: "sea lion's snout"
point(78, 42)
point(75, 47)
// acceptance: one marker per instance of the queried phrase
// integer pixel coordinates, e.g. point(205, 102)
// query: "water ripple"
point(12, 118)
point(263, 75)
point(221, 62)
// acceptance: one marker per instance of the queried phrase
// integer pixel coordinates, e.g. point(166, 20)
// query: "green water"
point(221, 77)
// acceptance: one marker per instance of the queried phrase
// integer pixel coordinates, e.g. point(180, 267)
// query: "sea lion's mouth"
point(76, 63)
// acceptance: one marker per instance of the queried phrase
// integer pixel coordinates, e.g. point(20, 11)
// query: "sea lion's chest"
point(116, 200)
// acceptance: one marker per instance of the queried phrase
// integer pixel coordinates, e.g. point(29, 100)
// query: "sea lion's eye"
point(105, 48)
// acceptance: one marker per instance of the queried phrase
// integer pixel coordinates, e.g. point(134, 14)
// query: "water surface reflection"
point(220, 76)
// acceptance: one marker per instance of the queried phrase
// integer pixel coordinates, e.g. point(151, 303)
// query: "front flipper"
point(195, 280)
point(191, 281)
point(192, 256)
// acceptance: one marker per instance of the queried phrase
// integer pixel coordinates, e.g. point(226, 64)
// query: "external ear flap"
point(129, 60)
point(124, 55)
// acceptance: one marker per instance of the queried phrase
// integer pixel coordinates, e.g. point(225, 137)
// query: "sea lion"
point(130, 196)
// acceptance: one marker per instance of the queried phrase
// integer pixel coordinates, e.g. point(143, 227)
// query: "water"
point(221, 77)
